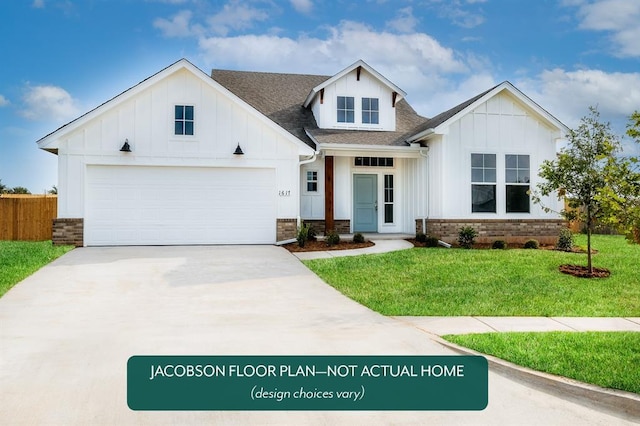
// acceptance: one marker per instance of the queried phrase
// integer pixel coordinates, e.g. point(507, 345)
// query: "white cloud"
point(4, 101)
point(235, 15)
point(37, 4)
point(49, 103)
point(617, 17)
point(302, 6)
point(404, 22)
point(462, 14)
point(178, 26)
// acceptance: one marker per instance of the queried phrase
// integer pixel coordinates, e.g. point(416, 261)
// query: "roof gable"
point(438, 123)
point(355, 66)
point(50, 141)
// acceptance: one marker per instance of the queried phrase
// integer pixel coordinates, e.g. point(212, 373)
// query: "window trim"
point(184, 120)
point(508, 184)
point(308, 181)
point(388, 201)
point(484, 182)
point(346, 109)
point(377, 161)
point(370, 111)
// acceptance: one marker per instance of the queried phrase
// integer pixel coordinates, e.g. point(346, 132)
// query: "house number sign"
point(284, 193)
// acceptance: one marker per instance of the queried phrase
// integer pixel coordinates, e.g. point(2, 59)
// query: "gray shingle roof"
point(280, 98)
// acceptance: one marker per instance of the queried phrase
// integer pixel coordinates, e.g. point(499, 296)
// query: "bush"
point(303, 234)
point(358, 238)
point(532, 244)
point(499, 245)
point(431, 242)
point(332, 238)
point(421, 237)
point(565, 240)
point(312, 234)
point(467, 237)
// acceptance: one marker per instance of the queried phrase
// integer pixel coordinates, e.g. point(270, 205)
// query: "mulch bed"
point(322, 246)
point(583, 271)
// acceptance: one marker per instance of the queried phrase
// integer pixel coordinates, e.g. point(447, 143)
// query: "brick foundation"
point(68, 231)
point(510, 230)
point(343, 226)
point(286, 229)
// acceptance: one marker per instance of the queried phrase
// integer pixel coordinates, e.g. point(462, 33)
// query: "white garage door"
point(128, 205)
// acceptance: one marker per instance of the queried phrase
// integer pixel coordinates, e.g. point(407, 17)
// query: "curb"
point(620, 403)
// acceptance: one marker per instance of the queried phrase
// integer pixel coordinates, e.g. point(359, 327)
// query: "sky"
point(62, 58)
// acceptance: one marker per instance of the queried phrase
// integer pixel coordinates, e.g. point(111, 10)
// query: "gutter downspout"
point(426, 207)
point(300, 164)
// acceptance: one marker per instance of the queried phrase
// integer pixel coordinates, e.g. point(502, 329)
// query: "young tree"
point(19, 190)
point(3, 187)
point(579, 172)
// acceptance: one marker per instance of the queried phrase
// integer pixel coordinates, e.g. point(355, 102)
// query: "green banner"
point(307, 383)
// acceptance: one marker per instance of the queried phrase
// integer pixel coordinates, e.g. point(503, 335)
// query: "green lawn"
point(607, 359)
point(19, 259)
point(450, 282)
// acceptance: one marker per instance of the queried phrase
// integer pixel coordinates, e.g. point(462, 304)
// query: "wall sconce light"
point(126, 147)
point(238, 150)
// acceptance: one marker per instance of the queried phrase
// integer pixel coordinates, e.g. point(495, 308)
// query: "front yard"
point(514, 282)
point(19, 259)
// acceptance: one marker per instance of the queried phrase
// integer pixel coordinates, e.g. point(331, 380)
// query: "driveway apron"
point(67, 332)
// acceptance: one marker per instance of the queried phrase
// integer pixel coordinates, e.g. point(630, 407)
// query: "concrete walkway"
point(464, 325)
point(381, 246)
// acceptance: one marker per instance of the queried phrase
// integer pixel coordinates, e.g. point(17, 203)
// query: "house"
point(241, 157)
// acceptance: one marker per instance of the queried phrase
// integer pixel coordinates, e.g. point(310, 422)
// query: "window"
point(388, 198)
point(184, 120)
point(312, 181)
point(346, 111)
point(517, 177)
point(373, 162)
point(483, 183)
point(370, 110)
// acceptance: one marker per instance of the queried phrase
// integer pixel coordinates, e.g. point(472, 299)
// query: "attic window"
point(346, 109)
point(184, 121)
point(370, 111)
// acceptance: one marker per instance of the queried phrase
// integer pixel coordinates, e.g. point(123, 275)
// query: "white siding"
point(368, 87)
point(501, 125)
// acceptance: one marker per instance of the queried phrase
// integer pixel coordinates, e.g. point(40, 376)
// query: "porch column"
point(328, 194)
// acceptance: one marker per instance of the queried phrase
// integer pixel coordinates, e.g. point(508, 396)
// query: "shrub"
point(499, 245)
point(467, 237)
point(421, 237)
point(358, 238)
point(565, 240)
point(303, 234)
point(532, 244)
point(431, 242)
point(332, 238)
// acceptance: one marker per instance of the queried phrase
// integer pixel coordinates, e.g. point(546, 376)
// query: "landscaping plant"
point(467, 237)
point(565, 240)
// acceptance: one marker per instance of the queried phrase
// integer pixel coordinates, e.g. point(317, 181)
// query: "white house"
point(241, 157)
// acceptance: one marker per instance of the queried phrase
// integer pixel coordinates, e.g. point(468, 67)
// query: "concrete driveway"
point(67, 331)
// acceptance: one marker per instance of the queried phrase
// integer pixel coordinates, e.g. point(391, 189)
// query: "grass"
point(19, 259)
point(451, 282)
point(600, 358)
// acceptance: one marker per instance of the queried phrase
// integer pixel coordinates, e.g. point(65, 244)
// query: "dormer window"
point(346, 109)
point(370, 111)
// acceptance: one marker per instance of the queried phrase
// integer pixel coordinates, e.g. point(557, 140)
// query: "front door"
point(365, 203)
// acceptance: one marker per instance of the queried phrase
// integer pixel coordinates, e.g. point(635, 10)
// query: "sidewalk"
point(464, 325)
point(381, 246)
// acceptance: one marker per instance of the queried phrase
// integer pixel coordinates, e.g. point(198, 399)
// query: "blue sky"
point(62, 58)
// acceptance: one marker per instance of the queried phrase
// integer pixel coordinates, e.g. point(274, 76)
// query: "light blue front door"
point(365, 203)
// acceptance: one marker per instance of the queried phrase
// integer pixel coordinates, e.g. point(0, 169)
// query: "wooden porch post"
point(328, 194)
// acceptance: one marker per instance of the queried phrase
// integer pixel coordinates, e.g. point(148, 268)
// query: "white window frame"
point(369, 111)
point(308, 181)
point(346, 110)
point(485, 181)
point(509, 182)
point(184, 120)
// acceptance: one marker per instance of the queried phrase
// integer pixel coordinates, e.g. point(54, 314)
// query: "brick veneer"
point(286, 229)
point(68, 231)
point(511, 230)
point(343, 226)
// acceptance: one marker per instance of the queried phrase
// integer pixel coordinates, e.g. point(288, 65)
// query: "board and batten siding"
point(146, 120)
point(501, 126)
point(370, 87)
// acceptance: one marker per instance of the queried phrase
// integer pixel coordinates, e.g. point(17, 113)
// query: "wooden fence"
point(27, 217)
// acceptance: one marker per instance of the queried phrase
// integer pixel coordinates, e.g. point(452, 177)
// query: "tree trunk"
point(589, 266)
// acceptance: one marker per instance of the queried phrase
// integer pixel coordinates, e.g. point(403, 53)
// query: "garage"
point(149, 205)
